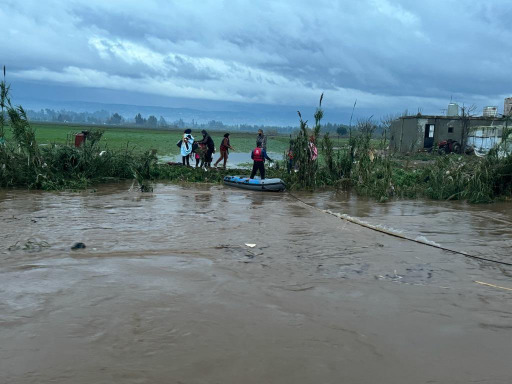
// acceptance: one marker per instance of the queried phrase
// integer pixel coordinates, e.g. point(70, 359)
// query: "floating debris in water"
point(31, 245)
point(78, 246)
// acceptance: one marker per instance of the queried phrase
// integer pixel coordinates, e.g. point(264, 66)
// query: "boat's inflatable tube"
point(255, 184)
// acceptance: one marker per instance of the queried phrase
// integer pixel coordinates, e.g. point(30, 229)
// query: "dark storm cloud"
point(387, 54)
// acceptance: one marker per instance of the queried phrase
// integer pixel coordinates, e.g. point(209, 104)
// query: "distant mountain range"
point(253, 114)
point(37, 96)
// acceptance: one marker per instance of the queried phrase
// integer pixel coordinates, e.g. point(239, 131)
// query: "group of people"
point(204, 149)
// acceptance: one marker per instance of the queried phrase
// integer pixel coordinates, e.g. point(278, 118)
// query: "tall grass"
point(306, 175)
point(4, 99)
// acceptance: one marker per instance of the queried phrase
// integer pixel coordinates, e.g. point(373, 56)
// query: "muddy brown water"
point(167, 291)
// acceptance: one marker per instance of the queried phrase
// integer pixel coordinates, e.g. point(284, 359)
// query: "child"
point(200, 155)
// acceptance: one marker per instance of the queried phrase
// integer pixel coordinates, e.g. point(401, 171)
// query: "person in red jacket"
point(259, 155)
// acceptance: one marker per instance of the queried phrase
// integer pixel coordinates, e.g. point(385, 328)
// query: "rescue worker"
point(259, 155)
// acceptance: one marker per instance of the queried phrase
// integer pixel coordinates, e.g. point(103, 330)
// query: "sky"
point(388, 55)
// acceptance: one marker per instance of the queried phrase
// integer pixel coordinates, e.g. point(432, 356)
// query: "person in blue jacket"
point(259, 155)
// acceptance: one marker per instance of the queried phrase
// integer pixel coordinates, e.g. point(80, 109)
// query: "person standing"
point(259, 155)
point(313, 150)
point(289, 155)
point(186, 146)
point(225, 146)
point(210, 148)
point(262, 139)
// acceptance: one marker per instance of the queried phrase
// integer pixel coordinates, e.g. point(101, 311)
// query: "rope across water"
point(394, 234)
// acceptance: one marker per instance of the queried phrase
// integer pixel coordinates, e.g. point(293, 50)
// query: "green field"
point(164, 141)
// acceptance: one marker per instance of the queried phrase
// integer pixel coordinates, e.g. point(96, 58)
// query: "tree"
point(139, 120)
point(213, 124)
point(116, 118)
point(180, 124)
point(341, 130)
point(366, 127)
point(385, 123)
point(162, 122)
point(152, 121)
point(63, 118)
point(465, 118)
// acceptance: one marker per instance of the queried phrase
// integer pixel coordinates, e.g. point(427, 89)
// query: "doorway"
point(429, 136)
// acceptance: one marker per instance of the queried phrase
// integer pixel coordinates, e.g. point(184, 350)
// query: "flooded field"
point(167, 291)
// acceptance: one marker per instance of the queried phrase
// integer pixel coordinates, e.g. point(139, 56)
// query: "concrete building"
point(507, 107)
point(491, 111)
point(416, 133)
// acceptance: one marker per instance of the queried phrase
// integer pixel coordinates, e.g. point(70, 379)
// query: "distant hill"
point(254, 114)
point(37, 96)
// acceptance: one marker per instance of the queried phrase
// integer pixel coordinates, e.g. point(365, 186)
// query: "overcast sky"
point(389, 55)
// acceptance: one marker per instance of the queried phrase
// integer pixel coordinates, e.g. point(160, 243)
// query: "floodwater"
point(166, 291)
point(235, 159)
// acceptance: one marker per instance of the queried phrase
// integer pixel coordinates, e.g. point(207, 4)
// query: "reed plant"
point(305, 165)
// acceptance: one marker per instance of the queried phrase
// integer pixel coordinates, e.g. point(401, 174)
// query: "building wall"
point(507, 110)
point(443, 131)
point(408, 134)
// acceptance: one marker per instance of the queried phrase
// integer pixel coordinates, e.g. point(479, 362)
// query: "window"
point(450, 129)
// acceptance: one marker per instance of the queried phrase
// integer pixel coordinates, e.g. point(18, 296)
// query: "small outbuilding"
point(420, 132)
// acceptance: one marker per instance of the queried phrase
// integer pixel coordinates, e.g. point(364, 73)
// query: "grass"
point(142, 140)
